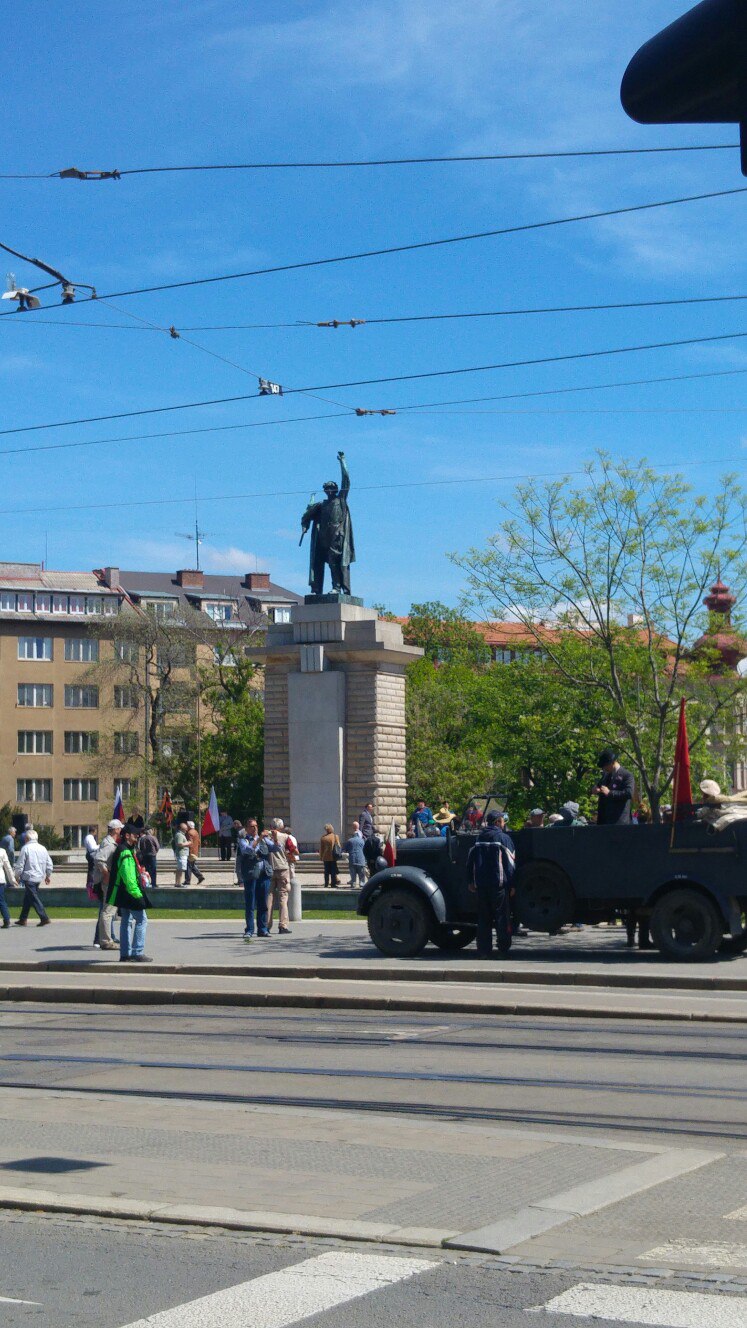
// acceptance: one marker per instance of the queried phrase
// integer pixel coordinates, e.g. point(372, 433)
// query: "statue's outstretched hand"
point(340, 456)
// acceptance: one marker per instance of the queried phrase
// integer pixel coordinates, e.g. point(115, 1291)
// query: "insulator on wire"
point(347, 322)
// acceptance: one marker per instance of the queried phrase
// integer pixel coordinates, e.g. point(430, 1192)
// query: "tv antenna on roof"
point(197, 539)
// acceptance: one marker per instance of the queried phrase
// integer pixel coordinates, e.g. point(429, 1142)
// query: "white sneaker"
point(248, 936)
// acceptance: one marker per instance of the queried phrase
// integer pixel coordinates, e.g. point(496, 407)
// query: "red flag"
point(682, 798)
point(212, 817)
point(166, 809)
point(390, 847)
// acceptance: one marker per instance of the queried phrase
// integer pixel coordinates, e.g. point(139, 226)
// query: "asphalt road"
point(116, 1275)
point(637, 1080)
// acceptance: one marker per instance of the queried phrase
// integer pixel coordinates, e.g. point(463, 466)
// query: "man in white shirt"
point(33, 865)
point(6, 878)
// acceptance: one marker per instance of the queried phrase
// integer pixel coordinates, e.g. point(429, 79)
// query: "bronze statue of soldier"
point(332, 542)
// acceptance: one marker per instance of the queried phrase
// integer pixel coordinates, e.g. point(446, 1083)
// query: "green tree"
point(447, 754)
point(620, 564)
point(445, 634)
point(232, 748)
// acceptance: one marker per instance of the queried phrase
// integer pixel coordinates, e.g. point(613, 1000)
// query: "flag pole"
point(675, 792)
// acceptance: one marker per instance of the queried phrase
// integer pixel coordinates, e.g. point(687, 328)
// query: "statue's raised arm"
point(345, 475)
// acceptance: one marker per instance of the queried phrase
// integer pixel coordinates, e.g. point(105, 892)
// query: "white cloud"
point(230, 559)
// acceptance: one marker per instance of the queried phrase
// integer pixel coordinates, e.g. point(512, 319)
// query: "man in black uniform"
point(615, 791)
point(490, 868)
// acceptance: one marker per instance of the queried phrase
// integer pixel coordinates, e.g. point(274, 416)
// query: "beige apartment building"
point(71, 727)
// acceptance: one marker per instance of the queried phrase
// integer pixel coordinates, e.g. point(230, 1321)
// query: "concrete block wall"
point(277, 763)
point(375, 743)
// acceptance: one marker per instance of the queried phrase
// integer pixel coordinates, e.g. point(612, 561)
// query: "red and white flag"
point(390, 846)
point(212, 817)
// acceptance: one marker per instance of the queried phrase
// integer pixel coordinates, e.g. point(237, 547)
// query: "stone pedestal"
point(334, 716)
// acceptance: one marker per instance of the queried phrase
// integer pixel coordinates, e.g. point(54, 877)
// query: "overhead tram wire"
point(305, 264)
point(393, 378)
point(178, 336)
point(97, 176)
point(400, 409)
point(303, 324)
point(360, 488)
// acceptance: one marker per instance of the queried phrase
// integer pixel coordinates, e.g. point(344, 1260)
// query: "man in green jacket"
point(127, 894)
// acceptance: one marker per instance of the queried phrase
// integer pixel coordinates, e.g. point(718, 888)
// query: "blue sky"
point(139, 83)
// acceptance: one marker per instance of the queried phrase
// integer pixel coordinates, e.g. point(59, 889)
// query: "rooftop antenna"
point(198, 537)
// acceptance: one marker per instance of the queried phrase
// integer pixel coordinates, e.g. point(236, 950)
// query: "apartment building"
point(70, 732)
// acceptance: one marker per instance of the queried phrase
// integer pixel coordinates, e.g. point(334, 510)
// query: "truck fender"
point(727, 907)
point(412, 877)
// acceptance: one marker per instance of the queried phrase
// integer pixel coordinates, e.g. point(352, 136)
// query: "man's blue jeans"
point(129, 946)
point(4, 914)
point(255, 899)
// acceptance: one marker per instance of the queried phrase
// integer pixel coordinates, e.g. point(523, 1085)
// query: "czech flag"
point(118, 813)
point(390, 846)
point(212, 818)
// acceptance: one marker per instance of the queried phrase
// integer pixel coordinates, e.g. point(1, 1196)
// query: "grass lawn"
point(188, 914)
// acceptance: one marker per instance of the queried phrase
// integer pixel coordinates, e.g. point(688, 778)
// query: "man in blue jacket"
point(490, 868)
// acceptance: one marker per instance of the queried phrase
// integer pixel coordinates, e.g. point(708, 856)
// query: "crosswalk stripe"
point(650, 1306)
point(719, 1255)
point(277, 1300)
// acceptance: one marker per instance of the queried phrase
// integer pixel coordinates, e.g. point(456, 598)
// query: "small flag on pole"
point(212, 818)
point(166, 809)
point(118, 813)
point(390, 847)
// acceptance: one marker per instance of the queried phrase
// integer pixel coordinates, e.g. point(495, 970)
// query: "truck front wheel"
point(451, 938)
point(685, 925)
point(399, 923)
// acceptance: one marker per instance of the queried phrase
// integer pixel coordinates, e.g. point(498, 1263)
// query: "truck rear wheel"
point(399, 923)
point(544, 897)
point(686, 925)
point(451, 938)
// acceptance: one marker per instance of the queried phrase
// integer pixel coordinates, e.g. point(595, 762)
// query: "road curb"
point(359, 971)
point(119, 995)
point(230, 1219)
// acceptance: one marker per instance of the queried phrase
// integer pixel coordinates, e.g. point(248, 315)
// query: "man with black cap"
point(615, 791)
point(490, 868)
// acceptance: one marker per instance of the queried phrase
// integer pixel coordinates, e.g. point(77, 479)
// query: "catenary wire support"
point(360, 411)
point(72, 173)
point(345, 322)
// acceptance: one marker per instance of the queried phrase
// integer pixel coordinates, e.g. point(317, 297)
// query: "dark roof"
point(214, 585)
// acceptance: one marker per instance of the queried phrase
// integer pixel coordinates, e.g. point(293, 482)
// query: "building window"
point(174, 744)
point(8, 601)
point(126, 652)
point(80, 790)
point(34, 693)
point(128, 787)
point(59, 603)
point(280, 615)
point(176, 698)
point(25, 602)
point(93, 604)
point(43, 603)
point(34, 647)
point(161, 608)
point(33, 790)
point(74, 835)
point(125, 744)
point(80, 741)
point(82, 698)
point(125, 698)
point(82, 649)
point(77, 603)
point(111, 606)
point(34, 742)
point(225, 657)
point(219, 612)
point(177, 655)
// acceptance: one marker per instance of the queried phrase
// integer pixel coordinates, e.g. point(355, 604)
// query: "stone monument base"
point(334, 717)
